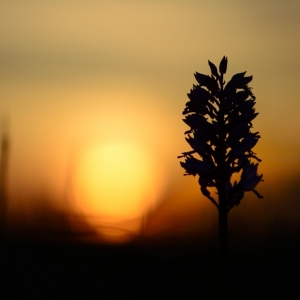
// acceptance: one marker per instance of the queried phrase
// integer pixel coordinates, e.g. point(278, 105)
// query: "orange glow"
point(115, 179)
point(120, 165)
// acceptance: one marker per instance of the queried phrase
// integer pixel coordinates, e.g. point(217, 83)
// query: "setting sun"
point(116, 180)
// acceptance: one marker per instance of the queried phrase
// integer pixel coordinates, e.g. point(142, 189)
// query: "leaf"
point(206, 193)
point(242, 83)
point(199, 146)
point(238, 76)
point(250, 170)
point(199, 94)
point(243, 162)
point(249, 142)
point(257, 194)
point(206, 81)
point(250, 115)
point(204, 184)
point(241, 96)
point(249, 184)
point(249, 177)
point(202, 134)
point(223, 65)
point(212, 112)
point(230, 89)
point(236, 198)
point(239, 81)
point(213, 69)
point(247, 106)
point(196, 107)
point(194, 166)
point(237, 132)
point(240, 148)
point(195, 121)
point(236, 118)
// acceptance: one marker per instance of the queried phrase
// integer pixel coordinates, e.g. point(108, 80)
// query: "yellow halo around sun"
point(120, 160)
point(115, 181)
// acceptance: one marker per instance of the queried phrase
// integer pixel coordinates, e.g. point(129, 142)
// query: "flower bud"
point(223, 65)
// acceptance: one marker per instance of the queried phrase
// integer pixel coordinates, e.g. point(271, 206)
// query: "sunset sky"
point(80, 80)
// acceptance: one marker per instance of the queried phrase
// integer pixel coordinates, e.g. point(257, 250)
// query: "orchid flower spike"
point(219, 117)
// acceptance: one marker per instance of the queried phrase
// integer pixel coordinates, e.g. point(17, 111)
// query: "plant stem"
point(223, 237)
point(223, 223)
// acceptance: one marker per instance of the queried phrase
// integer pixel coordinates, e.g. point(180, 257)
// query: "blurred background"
point(91, 101)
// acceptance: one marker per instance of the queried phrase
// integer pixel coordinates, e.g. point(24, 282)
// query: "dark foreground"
point(40, 270)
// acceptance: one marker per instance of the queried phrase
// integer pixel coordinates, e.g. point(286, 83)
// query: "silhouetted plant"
point(220, 120)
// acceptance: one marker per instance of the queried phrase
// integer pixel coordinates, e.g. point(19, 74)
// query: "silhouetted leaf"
point(236, 198)
point(239, 81)
point(204, 184)
point(238, 76)
point(249, 171)
point(203, 80)
point(245, 145)
point(223, 65)
point(230, 90)
point(237, 132)
point(195, 121)
point(199, 94)
point(202, 134)
point(250, 184)
point(194, 166)
point(250, 178)
point(241, 96)
point(196, 107)
point(246, 106)
point(198, 145)
point(207, 82)
point(249, 116)
point(213, 69)
point(212, 112)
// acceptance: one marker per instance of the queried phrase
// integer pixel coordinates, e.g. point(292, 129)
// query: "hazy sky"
point(74, 74)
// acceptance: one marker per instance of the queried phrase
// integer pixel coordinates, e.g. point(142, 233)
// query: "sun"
point(119, 159)
point(115, 180)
